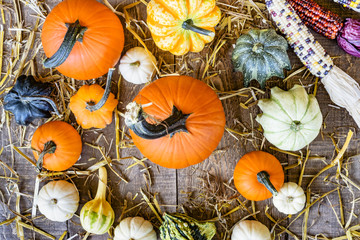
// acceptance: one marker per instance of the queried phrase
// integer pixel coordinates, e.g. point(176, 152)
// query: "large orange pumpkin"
point(82, 39)
point(57, 146)
point(258, 175)
point(193, 125)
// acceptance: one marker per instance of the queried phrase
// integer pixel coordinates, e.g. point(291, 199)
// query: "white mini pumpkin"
point(58, 200)
point(290, 199)
point(136, 66)
point(134, 228)
point(250, 230)
point(290, 119)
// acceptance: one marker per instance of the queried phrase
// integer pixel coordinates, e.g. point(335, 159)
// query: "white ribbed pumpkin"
point(250, 230)
point(134, 228)
point(290, 119)
point(136, 66)
point(290, 199)
point(58, 200)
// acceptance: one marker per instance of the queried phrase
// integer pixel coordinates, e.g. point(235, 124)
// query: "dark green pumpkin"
point(260, 55)
point(182, 227)
point(29, 100)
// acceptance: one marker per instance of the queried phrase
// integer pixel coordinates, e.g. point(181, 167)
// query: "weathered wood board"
point(174, 187)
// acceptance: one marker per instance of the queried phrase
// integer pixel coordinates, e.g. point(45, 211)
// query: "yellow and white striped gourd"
point(343, 90)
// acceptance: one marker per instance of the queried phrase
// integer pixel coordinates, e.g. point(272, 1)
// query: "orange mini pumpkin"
point(258, 175)
point(82, 39)
point(57, 146)
point(93, 106)
point(189, 124)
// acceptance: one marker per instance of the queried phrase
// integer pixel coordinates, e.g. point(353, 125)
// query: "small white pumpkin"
point(58, 200)
point(136, 66)
point(290, 199)
point(134, 228)
point(290, 119)
point(250, 230)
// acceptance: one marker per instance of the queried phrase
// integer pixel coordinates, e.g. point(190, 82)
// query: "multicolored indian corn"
point(318, 18)
point(352, 4)
point(343, 90)
point(310, 52)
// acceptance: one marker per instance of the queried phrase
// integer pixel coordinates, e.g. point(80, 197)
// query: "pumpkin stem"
point(289, 199)
point(104, 98)
point(101, 190)
point(296, 126)
point(135, 120)
point(264, 178)
point(74, 33)
point(189, 25)
point(258, 47)
point(49, 147)
point(42, 98)
point(136, 64)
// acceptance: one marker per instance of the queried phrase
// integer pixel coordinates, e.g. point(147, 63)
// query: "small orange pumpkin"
point(258, 175)
point(190, 121)
point(93, 106)
point(57, 146)
point(82, 39)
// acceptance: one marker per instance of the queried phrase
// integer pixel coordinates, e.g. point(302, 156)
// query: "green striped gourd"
point(181, 227)
point(97, 216)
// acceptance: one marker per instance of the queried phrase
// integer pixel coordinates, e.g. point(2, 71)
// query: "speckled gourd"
point(182, 227)
point(260, 55)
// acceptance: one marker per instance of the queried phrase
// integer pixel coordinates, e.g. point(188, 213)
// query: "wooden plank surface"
point(180, 190)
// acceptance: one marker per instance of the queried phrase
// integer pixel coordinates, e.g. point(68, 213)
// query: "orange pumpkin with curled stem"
point(56, 146)
point(258, 175)
point(93, 106)
point(182, 123)
point(82, 39)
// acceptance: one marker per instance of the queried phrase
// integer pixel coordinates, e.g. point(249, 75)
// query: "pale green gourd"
point(290, 119)
point(97, 216)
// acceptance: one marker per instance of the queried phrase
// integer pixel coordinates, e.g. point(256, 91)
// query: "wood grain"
point(181, 189)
